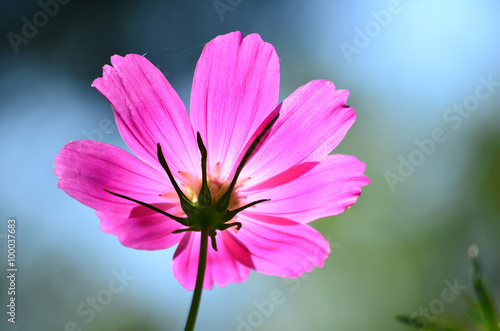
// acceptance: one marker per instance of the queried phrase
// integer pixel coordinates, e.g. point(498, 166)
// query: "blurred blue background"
point(420, 73)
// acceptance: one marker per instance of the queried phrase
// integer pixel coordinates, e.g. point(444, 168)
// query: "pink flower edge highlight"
point(235, 89)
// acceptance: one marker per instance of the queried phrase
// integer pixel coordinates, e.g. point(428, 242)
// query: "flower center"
point(191, 185)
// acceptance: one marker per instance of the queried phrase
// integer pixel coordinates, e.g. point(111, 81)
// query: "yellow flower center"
point(191, 186)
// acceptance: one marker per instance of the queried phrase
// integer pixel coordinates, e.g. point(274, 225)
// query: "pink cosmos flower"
point(280, 169)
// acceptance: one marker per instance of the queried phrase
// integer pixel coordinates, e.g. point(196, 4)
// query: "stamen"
point(216, 170)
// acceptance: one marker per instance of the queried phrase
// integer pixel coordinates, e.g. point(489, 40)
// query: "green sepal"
point(223, 203)
point(184, 230)
point(212, 235)
point(187, 206)
point(231, 213)
point(205, 197)
point(182, 220)
point(227, 226)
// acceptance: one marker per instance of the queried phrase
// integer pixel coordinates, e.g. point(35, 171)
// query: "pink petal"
point(221, 268)
point(151, 232)
point(149, 111)
point(87, 167)
point(287, 249)
point(313, 121)
point(235, 87)
point(328, 189)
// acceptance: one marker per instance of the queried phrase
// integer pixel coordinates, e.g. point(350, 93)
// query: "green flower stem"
point(202, 263)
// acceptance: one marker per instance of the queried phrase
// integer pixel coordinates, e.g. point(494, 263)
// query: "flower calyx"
point(206, 214)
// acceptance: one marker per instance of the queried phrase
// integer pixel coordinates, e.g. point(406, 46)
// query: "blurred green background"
point(424, 78)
